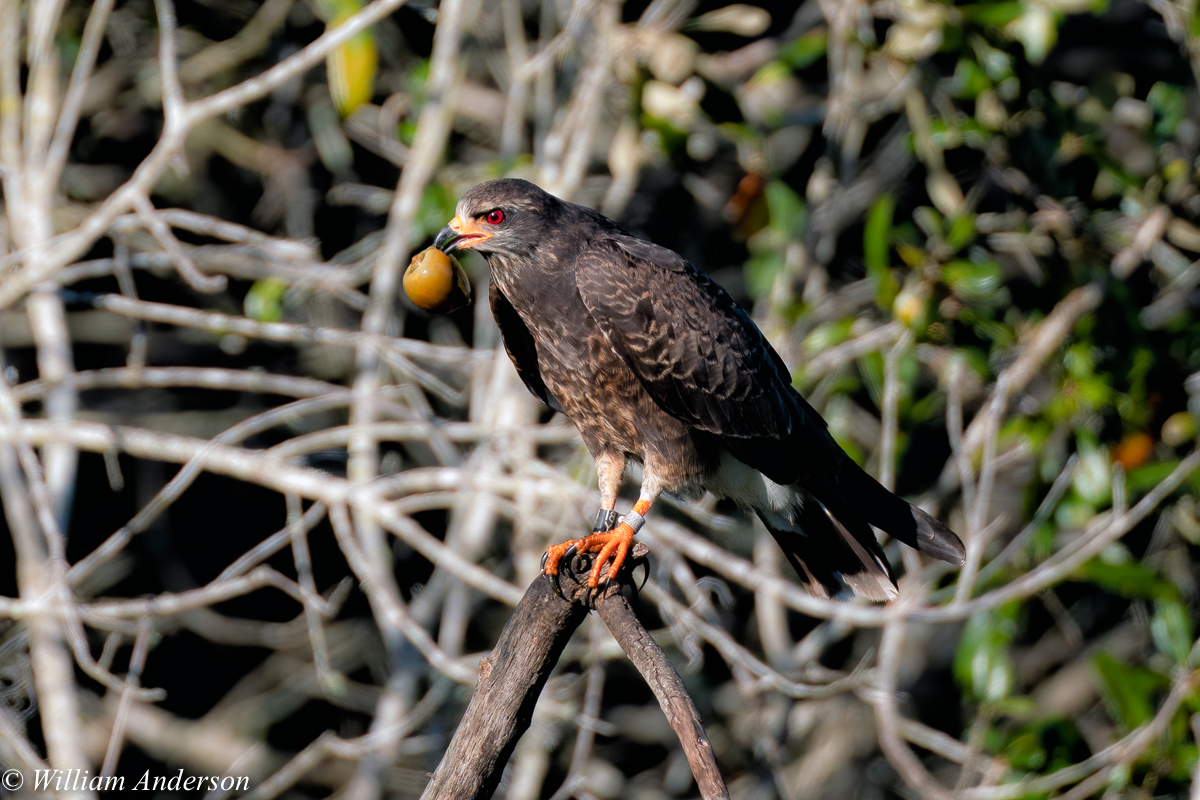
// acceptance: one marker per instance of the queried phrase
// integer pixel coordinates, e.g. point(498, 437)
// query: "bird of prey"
point(654, 362)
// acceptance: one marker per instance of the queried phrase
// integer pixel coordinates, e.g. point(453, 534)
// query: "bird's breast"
point(594, 385)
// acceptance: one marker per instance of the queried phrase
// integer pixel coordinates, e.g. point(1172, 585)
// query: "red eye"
point(495, 216)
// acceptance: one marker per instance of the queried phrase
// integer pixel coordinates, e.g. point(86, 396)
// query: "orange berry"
point(436, 282)
point(1133, 451)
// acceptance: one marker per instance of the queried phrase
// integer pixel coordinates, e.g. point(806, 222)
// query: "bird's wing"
point(699, 355)
point(518, 342)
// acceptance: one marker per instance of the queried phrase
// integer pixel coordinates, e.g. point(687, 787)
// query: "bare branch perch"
point(668, 687)
point(512, 677)
point(510, 680)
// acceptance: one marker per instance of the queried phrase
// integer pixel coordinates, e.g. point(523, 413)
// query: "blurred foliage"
point(1033, 176)
point(351, 67)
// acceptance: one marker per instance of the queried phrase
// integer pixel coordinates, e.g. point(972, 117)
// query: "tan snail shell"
point(436, 282)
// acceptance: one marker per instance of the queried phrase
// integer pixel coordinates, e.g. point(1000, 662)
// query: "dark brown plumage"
point(654, 362)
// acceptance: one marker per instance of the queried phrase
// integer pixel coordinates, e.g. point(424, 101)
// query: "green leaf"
point(999, 334)
point(995, 62)
point(1168, 103)
point(1128, 691)
point(1043, 745)
point(962, 232)
point(967, 131)
point(1172, 630)
point(806, 50)
point(68, 48)
point(977, 360)
point(352, 65)
point(870, 367)
point(1128, 579)
point(760, 270)
point(1143, 479)
point(851, 449)
point(827, 335)
point(1185, 759)
point(1074, 512)
point(876, 252)
point(982, 664)
point(671, 138)
point(1037, 31)
point(1118, 777)
point(1025, 751)
point(1093, 478)
point(1041, 544)
point(876, 233)
point(406, 131)
point(264, 301)
point(1017, 708)
point(993, 14)
point(418, 77)
point(969, 79)
point(786, 209)
point(930, 406)
point(972, 281)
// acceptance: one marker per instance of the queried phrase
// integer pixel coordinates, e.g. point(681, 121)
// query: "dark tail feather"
point(897, 517)
point(830, 558)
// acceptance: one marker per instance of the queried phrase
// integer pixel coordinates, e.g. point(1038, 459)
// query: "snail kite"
point(654, 362)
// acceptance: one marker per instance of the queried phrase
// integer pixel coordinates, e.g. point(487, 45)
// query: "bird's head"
point(501, 217)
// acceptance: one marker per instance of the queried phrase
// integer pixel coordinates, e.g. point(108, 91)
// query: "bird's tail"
point(897, 517)
point(828, 537)
point(833, 556)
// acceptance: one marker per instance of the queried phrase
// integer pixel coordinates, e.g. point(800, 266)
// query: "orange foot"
point(613, 544)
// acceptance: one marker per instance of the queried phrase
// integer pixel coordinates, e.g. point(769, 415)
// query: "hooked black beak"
point(459, 234)
point(447, 240)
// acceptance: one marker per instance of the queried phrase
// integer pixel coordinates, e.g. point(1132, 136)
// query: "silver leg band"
point(634, 520)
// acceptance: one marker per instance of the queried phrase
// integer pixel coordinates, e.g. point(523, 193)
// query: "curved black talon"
point(564, 563)
point(553, 579)
point(645, 564)
point(639, 556)
point(578, 566)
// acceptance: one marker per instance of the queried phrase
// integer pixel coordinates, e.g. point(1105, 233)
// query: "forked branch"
point(512, 677)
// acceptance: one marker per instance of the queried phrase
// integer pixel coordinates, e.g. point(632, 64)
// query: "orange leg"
point(613, 544)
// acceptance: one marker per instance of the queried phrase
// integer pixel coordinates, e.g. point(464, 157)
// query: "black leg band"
point(606, 520)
